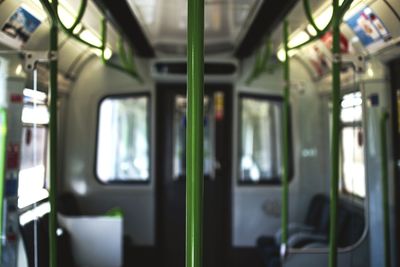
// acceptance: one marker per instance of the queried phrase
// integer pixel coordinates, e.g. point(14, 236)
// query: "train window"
point(179, 142)
point(123, 139)
point(353, 169)
point(260, 140)
point(32, 173)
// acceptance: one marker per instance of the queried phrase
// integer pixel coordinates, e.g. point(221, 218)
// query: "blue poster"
point(368, 27)
point(21, 25)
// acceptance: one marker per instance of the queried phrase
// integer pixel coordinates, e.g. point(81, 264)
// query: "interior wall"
point(94, 198)
point(256, 208)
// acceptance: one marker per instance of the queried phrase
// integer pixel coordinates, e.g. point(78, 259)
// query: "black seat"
point(314, 231)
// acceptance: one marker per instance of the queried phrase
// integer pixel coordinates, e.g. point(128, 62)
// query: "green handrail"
point(335, 146)
point(53, 64)
point(340, 13)
point(52, 9)
point(3, 139)
point(194, 134)
point(70, 31)
point(53, 143)
point(262, 59)
point(285, 153)
point(127, 68)
point(385, 188)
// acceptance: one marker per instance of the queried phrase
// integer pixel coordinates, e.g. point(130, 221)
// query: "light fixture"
point(18, 69)
point(298, 39)
point(90, 37)
point(281, 54)
point(35, 95)
point(38, 115)
point(324, 18)
point(107, 53)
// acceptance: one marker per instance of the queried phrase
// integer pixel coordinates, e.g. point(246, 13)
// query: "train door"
point(171, 123)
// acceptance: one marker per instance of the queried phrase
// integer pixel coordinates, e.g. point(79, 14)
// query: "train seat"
point(42, 243)
point(313, 232)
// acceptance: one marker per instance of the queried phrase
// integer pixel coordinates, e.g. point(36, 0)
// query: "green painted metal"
point(340, 13)
point(385, 187)
point(79, 16)
point(285, 152)
point(194, 134)
point(53, 144)
point(262, 59)
point(3, 139)
point(335, 145)
point(128, 63)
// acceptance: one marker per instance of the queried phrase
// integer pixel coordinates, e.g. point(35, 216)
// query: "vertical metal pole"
point(385, 188)
point(286, 110)
point(334, 183)
point(53, 144)
point(3, 138)
point(194, 134)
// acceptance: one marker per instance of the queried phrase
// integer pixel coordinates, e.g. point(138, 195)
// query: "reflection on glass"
point(260, 140)
point(353, 166)
point(123, 143)
point(179, 128)
point(31, 177)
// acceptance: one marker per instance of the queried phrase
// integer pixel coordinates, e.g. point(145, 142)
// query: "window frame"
point(149, 133)
point(275, 181)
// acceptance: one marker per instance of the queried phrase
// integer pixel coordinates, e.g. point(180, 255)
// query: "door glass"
point(260, 140)
point(179, 135)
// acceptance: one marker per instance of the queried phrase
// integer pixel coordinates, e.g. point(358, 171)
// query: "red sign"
point(327, 39)
point(16, 98)
point(12, 156)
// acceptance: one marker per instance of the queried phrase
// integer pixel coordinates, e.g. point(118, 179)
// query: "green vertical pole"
point(53, 144)
point(194, 134)
point(3, 138)
point(334, 182)
point(286, 110)
point(385, 188)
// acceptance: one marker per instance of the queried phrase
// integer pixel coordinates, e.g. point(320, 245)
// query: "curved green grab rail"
point(3, 139)
point(342, 10)
point(194, 134)
point(127, 68)
point(385, 188)
point(52, 10)
point(69, 31)
point(262, 60)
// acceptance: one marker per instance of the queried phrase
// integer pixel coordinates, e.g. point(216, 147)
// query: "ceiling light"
point(299, 39)
point(18, 70)
point(35, 95)
point(281, 54)
point(89, 37)
point(107, 53)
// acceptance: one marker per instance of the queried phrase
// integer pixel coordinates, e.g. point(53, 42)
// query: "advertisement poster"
point(369, 28)
point(327, 39)
point(18, 28)
point(317, 56)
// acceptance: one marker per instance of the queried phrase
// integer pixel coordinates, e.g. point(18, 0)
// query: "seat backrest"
point(41, 243)
point(316, 209)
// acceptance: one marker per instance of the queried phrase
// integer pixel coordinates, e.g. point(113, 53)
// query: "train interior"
point(109, 178)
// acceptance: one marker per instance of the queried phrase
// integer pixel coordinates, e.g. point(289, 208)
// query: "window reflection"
point(123, 143)
point(260, 141)
point(353, 166)
point(179, 128)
